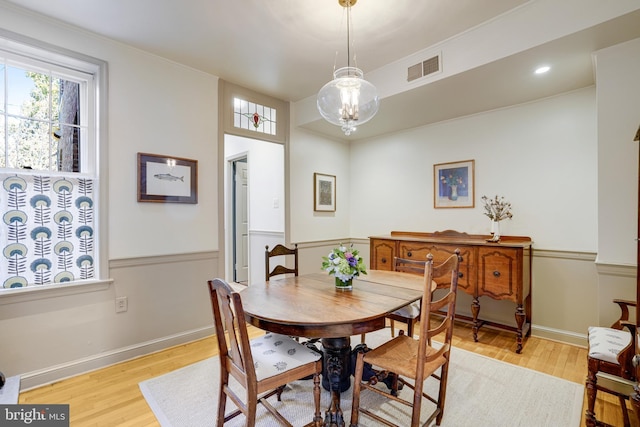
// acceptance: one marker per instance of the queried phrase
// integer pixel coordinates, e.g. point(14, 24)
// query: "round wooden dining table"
point(311, 306)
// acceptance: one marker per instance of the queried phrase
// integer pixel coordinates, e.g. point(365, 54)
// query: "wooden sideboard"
point(498, 270)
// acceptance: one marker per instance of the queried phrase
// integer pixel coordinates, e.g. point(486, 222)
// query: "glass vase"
point(344, 286)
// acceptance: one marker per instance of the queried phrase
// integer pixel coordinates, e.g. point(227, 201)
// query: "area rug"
point(481, 392)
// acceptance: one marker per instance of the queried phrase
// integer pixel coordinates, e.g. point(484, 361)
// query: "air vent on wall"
point(424, 68)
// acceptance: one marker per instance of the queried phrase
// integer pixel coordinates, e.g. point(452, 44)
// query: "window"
point(49, 173)
point(252, 116)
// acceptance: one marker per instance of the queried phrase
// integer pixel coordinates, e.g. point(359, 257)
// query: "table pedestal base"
point(336, 363)
point(336, 376)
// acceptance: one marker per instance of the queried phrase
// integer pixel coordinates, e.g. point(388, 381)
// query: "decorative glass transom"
point(251, 116)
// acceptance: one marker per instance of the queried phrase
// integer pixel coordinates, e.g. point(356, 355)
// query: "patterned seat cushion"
point(410, 311)
point(275, 353)
point(606, 343)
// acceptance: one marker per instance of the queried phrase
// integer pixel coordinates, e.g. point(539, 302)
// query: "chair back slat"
point(448, 271)
point(408, 265)
point(280, 250)
point(235, 350)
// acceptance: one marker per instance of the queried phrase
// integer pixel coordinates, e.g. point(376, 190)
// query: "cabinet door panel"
point(499, 272)
point(382, 253)
point(440, 252)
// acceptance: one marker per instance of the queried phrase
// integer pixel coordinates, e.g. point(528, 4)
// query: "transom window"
point(251, 116)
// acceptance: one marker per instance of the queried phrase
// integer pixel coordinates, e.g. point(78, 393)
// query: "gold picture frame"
point(324, 192)
point(454, 185)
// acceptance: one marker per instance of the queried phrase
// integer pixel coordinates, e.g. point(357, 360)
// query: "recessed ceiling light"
point(542, 70)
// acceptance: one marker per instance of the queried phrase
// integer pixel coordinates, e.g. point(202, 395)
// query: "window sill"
point(33, 293)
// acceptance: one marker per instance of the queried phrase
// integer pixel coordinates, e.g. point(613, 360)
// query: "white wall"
point(618, 95)
point(310, 153)
point(540, 156)
point(618, 100)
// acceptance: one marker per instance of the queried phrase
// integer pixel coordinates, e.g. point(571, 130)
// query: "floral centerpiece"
point(496, 209)
point(345, 264)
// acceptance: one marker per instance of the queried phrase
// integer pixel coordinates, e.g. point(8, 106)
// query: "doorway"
point(254, 205)
point(240, 202)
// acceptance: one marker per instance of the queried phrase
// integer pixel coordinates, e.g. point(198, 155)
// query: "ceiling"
point(288, 48)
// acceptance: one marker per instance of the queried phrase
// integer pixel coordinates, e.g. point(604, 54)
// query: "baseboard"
point(56, 373)
point(565, 337)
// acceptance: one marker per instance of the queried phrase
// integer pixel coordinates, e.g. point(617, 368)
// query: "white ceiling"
point(288, 48)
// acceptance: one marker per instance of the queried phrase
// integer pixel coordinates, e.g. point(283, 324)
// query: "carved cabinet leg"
point(520, 317)
point(475, 311)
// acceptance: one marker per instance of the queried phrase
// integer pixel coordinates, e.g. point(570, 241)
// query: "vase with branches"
point(496, 209)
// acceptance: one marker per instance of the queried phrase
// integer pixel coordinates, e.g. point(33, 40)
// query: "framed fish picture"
point(167, 179)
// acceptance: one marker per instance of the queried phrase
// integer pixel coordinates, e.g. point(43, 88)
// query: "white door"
point(240, 221)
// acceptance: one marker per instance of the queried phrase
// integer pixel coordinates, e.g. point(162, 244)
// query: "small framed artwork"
point(453, 185)
point(324, 192)
point(167, 179)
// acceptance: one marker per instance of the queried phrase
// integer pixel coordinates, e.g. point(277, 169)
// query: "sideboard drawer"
point(414, 250)
point(381, 253)
point(440, 252)
point(499, 271)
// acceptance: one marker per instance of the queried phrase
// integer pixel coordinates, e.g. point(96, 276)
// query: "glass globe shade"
point(348, 100)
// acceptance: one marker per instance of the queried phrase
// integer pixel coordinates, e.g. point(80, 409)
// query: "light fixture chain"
point(349, 34)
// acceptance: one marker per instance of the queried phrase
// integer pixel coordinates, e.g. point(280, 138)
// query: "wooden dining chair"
point(280, 250)
point(263, 365)
point(414, 359)
point(410, 313)
point(610, 362)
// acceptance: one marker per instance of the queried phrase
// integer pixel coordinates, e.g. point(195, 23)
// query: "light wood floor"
point(111, 396)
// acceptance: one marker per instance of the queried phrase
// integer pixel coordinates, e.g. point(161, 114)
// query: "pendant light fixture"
point(348, 100)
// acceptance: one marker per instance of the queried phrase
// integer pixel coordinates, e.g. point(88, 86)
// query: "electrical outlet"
point(122, 304)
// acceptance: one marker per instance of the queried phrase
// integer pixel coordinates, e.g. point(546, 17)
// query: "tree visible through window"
point(42, 121)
